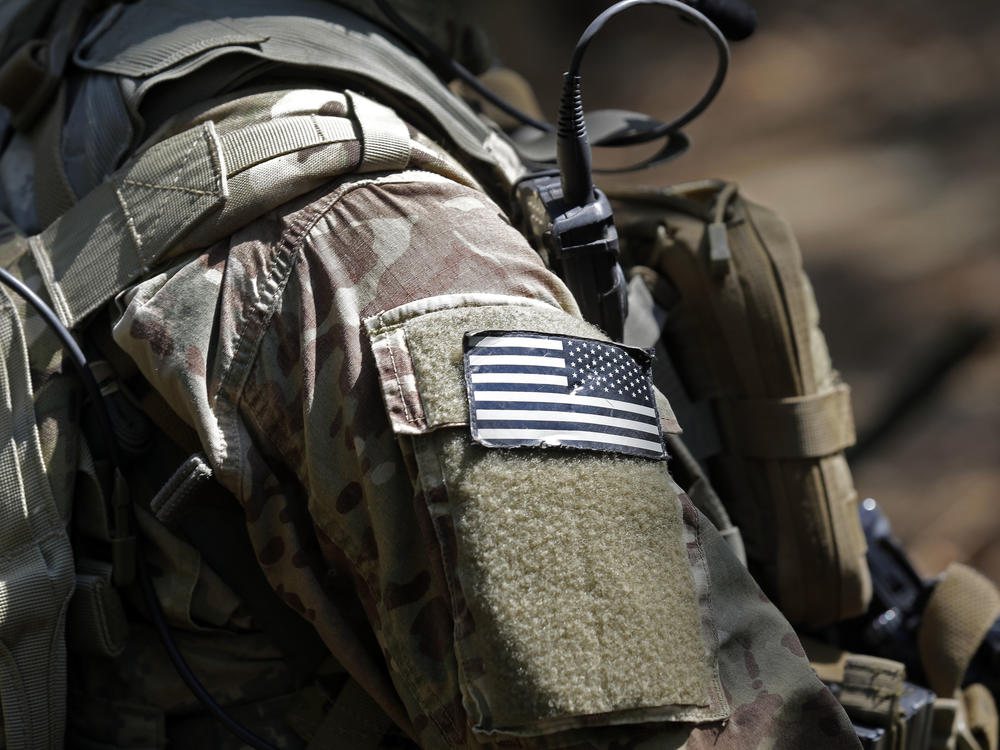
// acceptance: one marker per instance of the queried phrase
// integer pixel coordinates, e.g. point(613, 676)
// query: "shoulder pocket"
point(418, 352)
point(573, 597)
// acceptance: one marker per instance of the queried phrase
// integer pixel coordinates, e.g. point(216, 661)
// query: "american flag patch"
point(535, 389)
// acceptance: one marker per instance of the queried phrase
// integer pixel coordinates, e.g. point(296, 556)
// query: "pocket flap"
point(418, 349)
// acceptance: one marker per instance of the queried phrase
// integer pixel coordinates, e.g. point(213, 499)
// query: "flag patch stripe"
point(518, 378)
point(569, 408)
point(563, 417)
point(506, 351)
point(569, 437)
point(501, 369)
point(515, 342)
point(564, 398)
point(517, 359)
point(519, 387)
point(529, 389)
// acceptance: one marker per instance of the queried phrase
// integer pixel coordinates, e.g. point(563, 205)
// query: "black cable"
point(82, 366)
point(652, 129)
point(184, 670)
point(687, 12)
point(573, 150)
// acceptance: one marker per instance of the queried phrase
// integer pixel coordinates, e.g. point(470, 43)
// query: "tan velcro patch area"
point(418, 351)
point(572, 593)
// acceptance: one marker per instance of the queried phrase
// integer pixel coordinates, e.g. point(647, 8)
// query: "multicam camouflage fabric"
point(258, 344)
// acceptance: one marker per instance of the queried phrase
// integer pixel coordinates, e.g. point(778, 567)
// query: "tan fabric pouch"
point(747, 369)
point(573, 600)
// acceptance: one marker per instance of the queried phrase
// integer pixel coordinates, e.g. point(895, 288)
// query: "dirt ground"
point(873, 128)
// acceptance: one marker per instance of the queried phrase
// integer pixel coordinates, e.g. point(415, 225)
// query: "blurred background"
point(873, 128)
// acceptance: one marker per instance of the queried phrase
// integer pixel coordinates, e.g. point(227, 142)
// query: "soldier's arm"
point(477, 592)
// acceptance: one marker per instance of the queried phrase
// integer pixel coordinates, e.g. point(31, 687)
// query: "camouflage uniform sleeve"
point(532, 598)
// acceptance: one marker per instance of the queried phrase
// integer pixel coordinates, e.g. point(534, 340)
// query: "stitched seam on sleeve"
point(399, 385)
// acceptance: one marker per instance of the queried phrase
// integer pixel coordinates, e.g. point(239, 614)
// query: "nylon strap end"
point(123, 546)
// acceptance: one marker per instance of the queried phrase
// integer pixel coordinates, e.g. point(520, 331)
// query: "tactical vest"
point(717, 287)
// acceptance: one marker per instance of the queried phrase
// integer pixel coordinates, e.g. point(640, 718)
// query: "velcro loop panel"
point(572, 563)
point(385, 139)
point(573, 567)
point(959, 612)
point(797, 427)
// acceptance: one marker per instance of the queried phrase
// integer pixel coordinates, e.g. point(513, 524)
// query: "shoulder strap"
point(199, 49)
point(198, 186)
point(36, 565)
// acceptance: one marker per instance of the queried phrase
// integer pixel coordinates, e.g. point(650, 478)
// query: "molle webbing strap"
point(196, 187)
point(959, 612)
point(214, 531)
point(36, 567)
point(798, 427)
point(385, 139)
point(142, 40)
point(787, 265)
point(172, 501)
point(947, 721)
point(53, 194)
point(115, 234)
point(218, 533)
point(31, 88)
point(96, 622)
point(258, 143)
point(30, 76)
point(871, 689)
